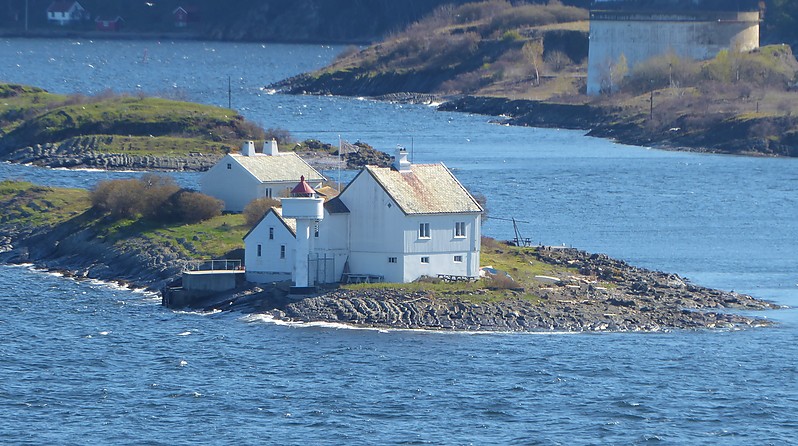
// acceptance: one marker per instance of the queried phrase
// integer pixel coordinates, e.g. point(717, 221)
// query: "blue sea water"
point(88, 363)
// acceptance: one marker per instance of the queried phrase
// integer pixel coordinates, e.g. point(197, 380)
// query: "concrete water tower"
point(307, 208)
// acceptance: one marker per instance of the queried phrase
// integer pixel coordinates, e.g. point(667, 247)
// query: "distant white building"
point(237, 179)
point(390, 224)
point(65, 12)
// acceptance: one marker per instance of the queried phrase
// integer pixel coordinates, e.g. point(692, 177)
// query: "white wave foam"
point(199, 313)
point(269, 319)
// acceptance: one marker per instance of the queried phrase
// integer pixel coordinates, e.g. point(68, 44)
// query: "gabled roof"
point(109, 19)
point(61, 6)
point(289, 223)
point(283, 167)
point(426, 189)
point(336, 206)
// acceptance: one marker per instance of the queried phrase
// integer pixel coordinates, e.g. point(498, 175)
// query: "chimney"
point(270, 148)
point(248, 148)
point(401, 163)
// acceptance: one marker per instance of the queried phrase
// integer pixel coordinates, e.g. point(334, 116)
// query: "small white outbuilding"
point(239, 178)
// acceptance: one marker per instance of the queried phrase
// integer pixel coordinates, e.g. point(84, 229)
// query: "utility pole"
point(26, 16)
point(651, 106)
point(229, 93)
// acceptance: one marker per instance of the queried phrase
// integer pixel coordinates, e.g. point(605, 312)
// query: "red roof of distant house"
point(60, 6)
point(109, 19)
point(303, 188)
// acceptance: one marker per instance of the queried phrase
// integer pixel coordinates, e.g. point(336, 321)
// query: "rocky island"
point(124, 132)
point(544, 288)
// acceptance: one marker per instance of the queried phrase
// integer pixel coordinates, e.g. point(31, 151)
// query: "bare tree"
point(533, 51)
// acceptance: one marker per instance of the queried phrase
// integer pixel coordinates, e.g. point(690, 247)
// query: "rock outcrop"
point(82, 152)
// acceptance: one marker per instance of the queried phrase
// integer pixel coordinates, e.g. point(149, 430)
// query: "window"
point(259, 250)
point(229, 166)
point(268, 192)
point(392, 259)
point(271, 233)
point(423, 230)
point(459, 229)
point(316, 230)
point(458, 259)
point(282, 251)
point(425, 260)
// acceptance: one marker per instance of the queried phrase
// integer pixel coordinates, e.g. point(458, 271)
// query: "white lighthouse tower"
point(307, 208)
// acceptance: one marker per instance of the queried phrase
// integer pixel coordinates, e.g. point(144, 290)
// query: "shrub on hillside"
point(472, 12)
point(194, 207)
point(772, 66)
point(660, 71)
point(119, 198)
point(157, 190)
point(153, 197)
point(282, 135)
point(257, 208)
point(534, 15)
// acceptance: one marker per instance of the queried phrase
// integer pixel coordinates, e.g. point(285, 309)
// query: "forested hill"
point(322, 21)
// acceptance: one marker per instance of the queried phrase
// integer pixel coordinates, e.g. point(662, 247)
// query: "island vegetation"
point(527, 62)
point(118, 231)
point(123, 131)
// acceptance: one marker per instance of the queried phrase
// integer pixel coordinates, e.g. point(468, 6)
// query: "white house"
point(393, 224)
point(239, 178)
point(65, 12)
point(270, 257)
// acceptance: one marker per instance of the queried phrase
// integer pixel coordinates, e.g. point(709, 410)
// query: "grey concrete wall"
point(211, 281)
point(641, 36)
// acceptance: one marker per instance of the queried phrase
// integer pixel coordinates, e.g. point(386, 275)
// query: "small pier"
point(203, 278)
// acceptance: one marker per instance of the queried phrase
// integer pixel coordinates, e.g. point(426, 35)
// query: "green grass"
point(208, 239)
point(28, 205)
point(19, 102)
point(31, 206)
point(169, 146)
point(520, 263)
point(135, 125)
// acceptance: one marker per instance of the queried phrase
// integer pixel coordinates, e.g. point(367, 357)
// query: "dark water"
point(84, 363)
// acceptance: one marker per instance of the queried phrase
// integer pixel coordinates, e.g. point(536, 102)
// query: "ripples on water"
point(82, 362)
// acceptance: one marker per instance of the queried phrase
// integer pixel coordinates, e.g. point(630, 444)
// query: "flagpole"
point(340, 148)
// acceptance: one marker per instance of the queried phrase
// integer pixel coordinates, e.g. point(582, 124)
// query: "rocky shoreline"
point(82, 153)
point(715, 133)
point(639, 300)
point(605, 295)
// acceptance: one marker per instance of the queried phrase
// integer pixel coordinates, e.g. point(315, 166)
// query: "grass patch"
point(168, 146)
point(31, 206)
point(521, 263)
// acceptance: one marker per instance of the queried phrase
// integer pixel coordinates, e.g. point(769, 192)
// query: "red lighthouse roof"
point(302, 189)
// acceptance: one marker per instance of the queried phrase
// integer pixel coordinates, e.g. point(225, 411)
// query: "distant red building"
point(108, 24)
